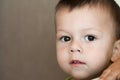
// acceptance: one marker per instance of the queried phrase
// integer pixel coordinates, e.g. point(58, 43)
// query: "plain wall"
point(27, 40)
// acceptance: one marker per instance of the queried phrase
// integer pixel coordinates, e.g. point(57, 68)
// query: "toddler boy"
point(88, 36)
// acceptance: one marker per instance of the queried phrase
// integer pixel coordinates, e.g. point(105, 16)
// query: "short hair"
point(111, 5)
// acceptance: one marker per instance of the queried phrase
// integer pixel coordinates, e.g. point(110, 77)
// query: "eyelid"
point(62, 33)
point(96, 37)
point(87, 36)
point(62, 38)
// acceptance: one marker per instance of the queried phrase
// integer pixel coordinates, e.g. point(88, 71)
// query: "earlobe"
point(116, 51)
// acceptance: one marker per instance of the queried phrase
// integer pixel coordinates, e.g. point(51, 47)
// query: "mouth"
point(76, 63)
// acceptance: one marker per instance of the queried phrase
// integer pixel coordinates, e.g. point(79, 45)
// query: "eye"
point(90, 38)
point(65, 38)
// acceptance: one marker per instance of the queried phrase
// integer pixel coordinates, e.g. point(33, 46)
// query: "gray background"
point(27, 40)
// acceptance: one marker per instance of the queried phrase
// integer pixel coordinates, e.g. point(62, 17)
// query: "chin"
point(82, 76)
point(79, 76)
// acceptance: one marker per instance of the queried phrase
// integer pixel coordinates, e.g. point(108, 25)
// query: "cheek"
point(100, 50)
point(100, 53)
point(99, 56)
point(63, 57)
point(62, 48)
point(62, 53)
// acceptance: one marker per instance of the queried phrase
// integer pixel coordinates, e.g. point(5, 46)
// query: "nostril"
point(75, 50)
point(78, 50)
point(72, 51)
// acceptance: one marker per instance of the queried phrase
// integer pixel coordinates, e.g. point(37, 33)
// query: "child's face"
point(85, 39)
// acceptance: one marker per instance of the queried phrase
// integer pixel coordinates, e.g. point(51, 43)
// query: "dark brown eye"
point(90, 38)
point(65, 38)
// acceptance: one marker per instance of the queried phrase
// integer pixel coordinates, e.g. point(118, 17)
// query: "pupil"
point(67, 38)
point(91, 38)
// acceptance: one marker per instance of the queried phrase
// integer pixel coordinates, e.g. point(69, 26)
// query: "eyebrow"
point(92, 29)
point(60, 30)
point(86, 29)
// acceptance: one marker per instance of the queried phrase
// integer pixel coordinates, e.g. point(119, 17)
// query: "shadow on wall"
point(27, 40)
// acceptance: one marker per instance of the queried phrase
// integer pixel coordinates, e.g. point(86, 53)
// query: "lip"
point(77, 63)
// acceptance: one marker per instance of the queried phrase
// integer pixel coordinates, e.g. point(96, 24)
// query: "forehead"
point(84, 17)
point(87, 8)
point(84, 14)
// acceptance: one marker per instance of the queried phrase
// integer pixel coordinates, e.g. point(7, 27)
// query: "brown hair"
point(111, 5)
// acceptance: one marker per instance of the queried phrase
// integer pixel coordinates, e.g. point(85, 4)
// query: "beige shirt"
point(96, 79)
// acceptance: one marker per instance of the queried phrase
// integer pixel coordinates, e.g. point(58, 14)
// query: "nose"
point(75, 47)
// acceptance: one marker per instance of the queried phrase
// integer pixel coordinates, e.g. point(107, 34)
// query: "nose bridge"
point(76, 46)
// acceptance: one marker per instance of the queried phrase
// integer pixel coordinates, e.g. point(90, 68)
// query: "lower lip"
point(76, 65)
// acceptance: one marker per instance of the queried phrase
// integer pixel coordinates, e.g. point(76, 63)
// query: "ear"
point(116, 51)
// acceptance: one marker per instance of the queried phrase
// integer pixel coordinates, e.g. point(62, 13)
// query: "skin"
point(73, 31)
point(112, 72)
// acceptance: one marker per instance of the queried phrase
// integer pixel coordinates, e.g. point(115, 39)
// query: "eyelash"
point(65, 38)
point(90, 38)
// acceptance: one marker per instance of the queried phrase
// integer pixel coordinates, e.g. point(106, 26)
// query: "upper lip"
point(77, 62)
